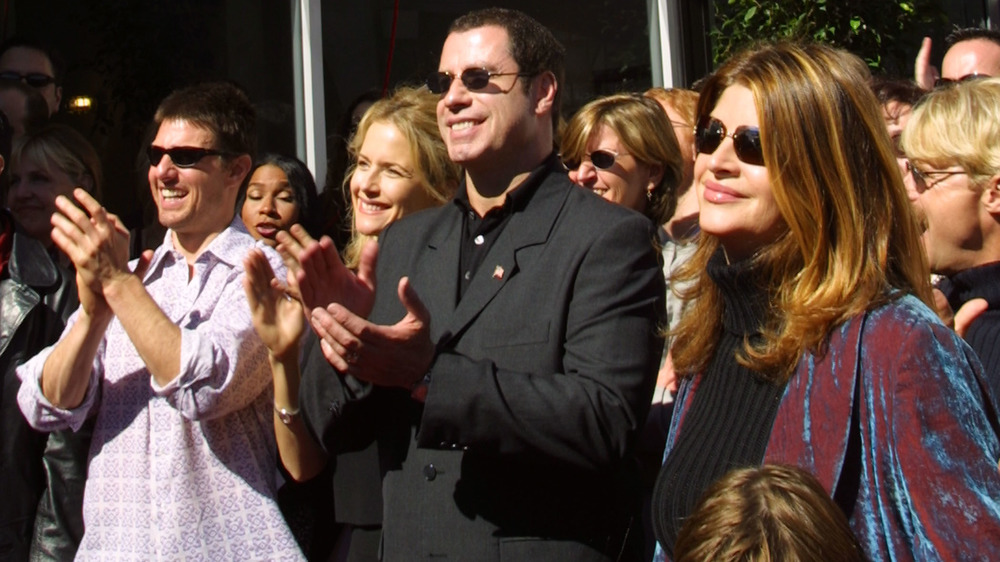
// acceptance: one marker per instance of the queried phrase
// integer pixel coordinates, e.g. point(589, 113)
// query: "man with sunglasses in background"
point(163, 352)
point(35, 64)
point(504, 362)
point(972, 52)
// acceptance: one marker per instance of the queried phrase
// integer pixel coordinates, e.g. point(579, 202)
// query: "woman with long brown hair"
point(809, 340)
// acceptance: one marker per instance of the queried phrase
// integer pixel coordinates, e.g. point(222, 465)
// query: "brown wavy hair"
point(852, 240)
point(773, 512)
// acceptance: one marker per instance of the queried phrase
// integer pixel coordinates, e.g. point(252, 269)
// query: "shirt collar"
point(229, 247)
point(517, 198)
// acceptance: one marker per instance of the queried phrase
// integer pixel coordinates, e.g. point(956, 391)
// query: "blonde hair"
point(643, 128)
point(958, 125)
point(852, 240)
point(412, 111)
point(60, 147)
point(773, 512)
point(684, 102)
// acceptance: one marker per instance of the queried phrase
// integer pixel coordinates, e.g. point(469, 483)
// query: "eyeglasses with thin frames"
point(927, 180)
point(474, 79)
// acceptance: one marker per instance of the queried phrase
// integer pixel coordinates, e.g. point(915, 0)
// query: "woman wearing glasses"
point(809, 340)
point(622, 148)
point(400, 166)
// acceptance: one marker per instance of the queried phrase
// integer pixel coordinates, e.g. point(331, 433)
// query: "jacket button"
point(430, 473)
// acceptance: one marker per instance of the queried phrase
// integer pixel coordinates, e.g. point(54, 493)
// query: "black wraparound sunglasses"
point(181, 156)
point(710, 131)
point(474, 79)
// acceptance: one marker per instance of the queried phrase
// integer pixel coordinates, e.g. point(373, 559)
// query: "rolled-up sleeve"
point(223, 363)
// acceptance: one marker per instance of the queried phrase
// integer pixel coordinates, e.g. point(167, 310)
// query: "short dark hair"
point(532, 45)
point(899, 90)
point(55, 59)
point(303, 185)
point(969, 33)
point(220, 107)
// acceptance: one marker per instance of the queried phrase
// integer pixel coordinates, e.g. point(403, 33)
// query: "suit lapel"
point(439, 266)
point(527, 227)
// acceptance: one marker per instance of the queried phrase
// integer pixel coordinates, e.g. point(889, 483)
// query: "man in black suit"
point(497, 373)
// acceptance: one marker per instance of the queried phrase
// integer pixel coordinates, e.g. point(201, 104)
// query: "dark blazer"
point(543, 375)
point(924, 483)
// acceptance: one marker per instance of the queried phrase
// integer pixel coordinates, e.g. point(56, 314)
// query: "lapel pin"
point(498, 272)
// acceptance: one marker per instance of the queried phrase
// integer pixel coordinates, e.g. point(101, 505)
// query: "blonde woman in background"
point(621, 148)
point(400, 166)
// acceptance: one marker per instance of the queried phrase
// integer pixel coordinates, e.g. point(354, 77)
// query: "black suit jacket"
point(543, 375)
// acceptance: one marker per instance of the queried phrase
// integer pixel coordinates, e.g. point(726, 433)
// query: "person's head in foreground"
point(771, 513)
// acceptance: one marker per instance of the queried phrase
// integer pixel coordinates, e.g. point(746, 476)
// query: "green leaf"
point(750, 13)
point(855, 24)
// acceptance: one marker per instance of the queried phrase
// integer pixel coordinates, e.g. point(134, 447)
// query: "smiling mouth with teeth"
point(462, 126)
point(371, 206)
point(171, 193)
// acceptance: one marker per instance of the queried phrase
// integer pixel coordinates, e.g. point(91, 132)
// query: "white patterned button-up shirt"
point(185, 471)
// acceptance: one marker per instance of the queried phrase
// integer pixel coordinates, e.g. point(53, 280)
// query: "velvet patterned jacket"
point(924, 484)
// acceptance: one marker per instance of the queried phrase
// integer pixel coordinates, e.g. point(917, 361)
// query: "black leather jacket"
point(35, 300)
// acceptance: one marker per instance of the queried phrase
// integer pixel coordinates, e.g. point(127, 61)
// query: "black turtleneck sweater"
point(730, 417)
point(983, 335)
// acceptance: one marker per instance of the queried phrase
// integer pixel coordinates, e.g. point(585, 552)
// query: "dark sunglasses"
point(951, 81)
point(710, 131)
point(602, 159)
point(474, 79)
point(182, 157)
point(34, 79)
